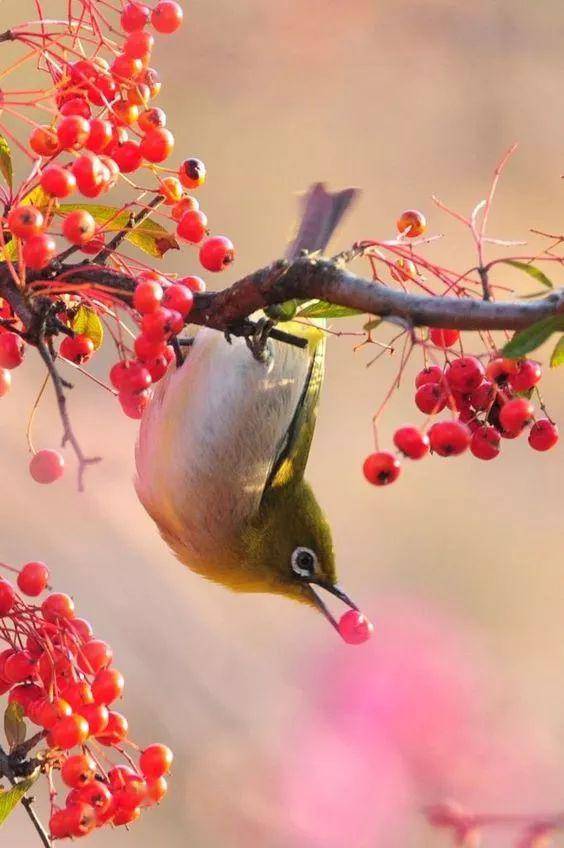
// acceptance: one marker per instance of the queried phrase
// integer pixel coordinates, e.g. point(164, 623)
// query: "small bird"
point(223, 447)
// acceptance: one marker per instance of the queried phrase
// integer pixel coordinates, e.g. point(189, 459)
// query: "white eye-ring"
point(304, 562)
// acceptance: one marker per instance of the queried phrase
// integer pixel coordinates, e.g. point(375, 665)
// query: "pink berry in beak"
point(354, 627)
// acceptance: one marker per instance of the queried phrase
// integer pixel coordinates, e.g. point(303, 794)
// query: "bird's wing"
point(293, 450)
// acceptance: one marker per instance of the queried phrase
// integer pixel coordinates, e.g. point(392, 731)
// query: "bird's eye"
point(304, 562)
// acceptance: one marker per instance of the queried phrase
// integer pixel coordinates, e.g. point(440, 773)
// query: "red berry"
point(166, 17)
point(25, 221)
point(155, 761)
point(77, 349)
point(19, 666)
point(147, 296)
point(127, 156)
point(100, 135)
point(156, 790)
point(126, 68)
point(483, 396)
point(179, 298)
point(60, 824)
point(192, 227)
point(43, 141)
point(158, 366)
point(195, 284)
point(499, 370)
point(411, 442)
point(355, 628)
point(485, 442)
point(412, 223)
point(91, 177)
point(46, 466)
point(126, 815)
point(7, 600)
point(442, 337)
point(97, 716)
point(465, 374)
point(73, 132)
point(515, 414)
point(449, 438)
point(544, 435)
point(217, 253)
point(187, 204)
point(78, 770)
point(192, 173)
point(80, 819)
point(78, 693)
point(171, 189)
point(157, 145)
point(161, 324)
point(69, 731)
point(57, 181)
point(146, 348)
point(33, 578)
point(76, 106)
point(49, 711)
point(134, 379)
point(82, 628)
point(139, 44)
point(116, 730)
point(94, 655)
point(107, 686)
point(430, 398)
point(79, 226)
point(134, 17)
point(57, 605)
point(12, 350)
point(152, 119)
point(381, 468)
point(431, 374)
point(526, 377)
point(94, 793)
point(38, 251)
point(26, 695)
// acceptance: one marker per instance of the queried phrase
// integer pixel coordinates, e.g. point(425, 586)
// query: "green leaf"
point(525, 341)
point(283, 311)
point(557, 355)
point(10, 799)
point(536, 273)
point(6, 161)
point(322, 309)
point(87, 323)
point(14, 725)
point(10, 251)
point(148, 236)
point(372, 324)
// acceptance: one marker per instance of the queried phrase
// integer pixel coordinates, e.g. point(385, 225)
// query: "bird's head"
point(288, 549)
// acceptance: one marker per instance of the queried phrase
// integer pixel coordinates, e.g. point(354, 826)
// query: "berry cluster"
point(61, 677)
point(486, 402)
point(104, 128)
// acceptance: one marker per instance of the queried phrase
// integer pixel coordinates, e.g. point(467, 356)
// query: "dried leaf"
point(14, 725)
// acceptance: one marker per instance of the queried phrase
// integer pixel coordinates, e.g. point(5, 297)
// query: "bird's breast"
point(208, 440)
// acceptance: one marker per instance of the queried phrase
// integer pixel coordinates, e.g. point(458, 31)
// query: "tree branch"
point(308, 278)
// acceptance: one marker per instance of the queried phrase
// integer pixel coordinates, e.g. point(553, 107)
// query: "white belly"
point(209, 437)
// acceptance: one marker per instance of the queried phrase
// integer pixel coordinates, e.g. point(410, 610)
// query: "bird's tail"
point(322, 212)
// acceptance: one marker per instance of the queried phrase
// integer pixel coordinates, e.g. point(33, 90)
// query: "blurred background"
point(283, 735)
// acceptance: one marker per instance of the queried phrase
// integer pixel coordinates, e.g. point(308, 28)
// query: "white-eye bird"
point(223, 448)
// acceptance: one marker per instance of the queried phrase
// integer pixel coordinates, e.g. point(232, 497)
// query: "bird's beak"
point(320, 603)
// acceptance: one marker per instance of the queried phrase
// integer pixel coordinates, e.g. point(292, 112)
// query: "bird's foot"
point(257, 340)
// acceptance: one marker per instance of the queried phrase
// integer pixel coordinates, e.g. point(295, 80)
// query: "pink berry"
point(46, 466)
point(515, 414)
point(430, 398)
point(465, 374)
point(355, 628)
point(431, 374)
point(527, 376)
